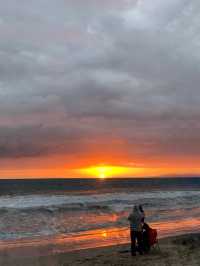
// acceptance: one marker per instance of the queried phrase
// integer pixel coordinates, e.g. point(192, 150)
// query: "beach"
point(171, 251)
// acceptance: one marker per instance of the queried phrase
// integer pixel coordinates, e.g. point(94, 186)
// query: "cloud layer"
point(79, 77)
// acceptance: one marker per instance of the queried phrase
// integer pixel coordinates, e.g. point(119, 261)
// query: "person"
point(142, 211)
point(135, 219)
point(145, 232)
point(145, 235)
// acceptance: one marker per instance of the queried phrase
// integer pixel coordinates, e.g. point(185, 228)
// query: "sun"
point(102, 173)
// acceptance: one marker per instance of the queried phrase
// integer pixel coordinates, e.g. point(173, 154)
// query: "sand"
point(172, 251)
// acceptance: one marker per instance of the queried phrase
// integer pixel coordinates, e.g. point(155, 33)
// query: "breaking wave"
point(38, 215)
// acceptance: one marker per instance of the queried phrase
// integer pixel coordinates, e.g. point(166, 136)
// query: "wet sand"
point(172, 251)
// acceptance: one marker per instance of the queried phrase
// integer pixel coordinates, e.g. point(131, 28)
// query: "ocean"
point(93, 212)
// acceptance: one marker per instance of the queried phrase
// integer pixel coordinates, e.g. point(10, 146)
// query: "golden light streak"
point(108, 171)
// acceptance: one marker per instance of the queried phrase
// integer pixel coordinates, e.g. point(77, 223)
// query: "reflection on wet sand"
point(92, 238)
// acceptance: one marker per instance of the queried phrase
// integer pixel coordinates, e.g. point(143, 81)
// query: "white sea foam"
point(119, 199)
point(41, 215)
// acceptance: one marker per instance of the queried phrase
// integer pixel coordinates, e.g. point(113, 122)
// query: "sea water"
point(78, 207)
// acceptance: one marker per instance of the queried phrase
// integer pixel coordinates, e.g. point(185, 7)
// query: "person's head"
point(141, 208)
point(135, 208)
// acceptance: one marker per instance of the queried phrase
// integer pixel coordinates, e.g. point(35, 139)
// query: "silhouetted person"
point(145, 232)
point(135, 219)
point(142, 211)
point(146, 243)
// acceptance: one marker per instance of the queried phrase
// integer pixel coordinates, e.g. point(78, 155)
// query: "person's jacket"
point(135, 219)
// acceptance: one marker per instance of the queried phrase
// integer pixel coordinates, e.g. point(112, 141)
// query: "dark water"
point(58, 186)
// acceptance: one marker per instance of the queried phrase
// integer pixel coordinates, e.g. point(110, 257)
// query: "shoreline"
point(95, 238)
point(174, 250)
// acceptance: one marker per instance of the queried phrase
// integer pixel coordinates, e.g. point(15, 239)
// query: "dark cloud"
point(36, 141)
point(99, 69)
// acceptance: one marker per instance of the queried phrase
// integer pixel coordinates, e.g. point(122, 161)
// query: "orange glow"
point(104, 234)
point(94, 238)
point(108, 171)
point(92, 167)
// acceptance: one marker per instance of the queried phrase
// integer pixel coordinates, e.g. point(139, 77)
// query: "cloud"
point(146, 14)
point(126, 70)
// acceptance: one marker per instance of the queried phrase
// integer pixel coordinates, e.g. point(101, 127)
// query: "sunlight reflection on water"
point(95, 238)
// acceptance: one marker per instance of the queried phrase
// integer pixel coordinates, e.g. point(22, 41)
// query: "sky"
point(98, 83)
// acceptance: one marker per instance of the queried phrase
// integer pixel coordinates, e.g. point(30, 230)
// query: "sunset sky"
point(99, 88)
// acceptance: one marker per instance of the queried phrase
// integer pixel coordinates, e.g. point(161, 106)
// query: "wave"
point(27, 216)
point(45, 223)
point(116, 202)
point(27, 201)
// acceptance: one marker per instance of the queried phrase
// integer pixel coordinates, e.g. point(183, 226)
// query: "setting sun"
point(105, 171)
point(102, 175)
point(102, 172)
